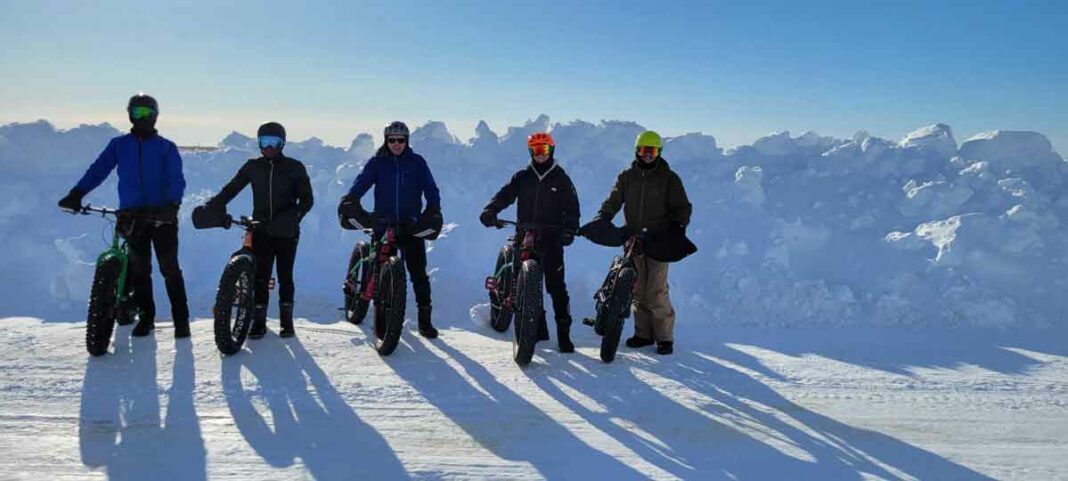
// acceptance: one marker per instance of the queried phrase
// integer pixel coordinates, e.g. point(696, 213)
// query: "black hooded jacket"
point(545, 195)
point(281, 193)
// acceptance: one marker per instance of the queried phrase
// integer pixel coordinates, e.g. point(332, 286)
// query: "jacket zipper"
point(537, 197)
point(270, 192)
point(641, 205)
point(141, 172)
point(396, 188)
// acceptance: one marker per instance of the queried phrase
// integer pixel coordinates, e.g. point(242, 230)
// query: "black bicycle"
point(515, 288)
point(376, 274)
point(111, 297)
point(614, 297)
point(235, 300)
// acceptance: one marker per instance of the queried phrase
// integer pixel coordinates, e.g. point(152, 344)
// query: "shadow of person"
point(698, 419)
point(827, 439)
point(119, 424)
point(186, 458)
point(503, 422)
point(311, 423)
point(899, 351)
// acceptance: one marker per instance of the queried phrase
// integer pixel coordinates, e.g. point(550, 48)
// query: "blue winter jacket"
point(150, 171)
point(400, 183)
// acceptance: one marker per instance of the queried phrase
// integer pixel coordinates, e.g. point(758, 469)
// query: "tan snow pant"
point(654, 318)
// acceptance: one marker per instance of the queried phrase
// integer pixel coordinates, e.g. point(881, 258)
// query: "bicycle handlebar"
point(534, 226)
point(89, 209)
point(245, 222)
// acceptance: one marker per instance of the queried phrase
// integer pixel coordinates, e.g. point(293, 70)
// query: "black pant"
point(552, 261)
point(267, 249)
point(413, 250)
point(142, 237)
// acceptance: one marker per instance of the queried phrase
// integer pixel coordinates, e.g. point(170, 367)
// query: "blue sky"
point(733, 70)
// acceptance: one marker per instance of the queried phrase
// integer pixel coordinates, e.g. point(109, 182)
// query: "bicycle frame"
point(521, 252)
point(631, 249)
point(246, 249)
point(381, 250)
point(120, 251)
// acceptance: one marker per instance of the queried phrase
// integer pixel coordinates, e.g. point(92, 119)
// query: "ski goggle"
point(540, 149)
point(138, 113)
point(396, 140)
point(271, 141)
point(648, 150)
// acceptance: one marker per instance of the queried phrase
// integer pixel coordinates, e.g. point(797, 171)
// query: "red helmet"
point(540, 143)
point(540, 138)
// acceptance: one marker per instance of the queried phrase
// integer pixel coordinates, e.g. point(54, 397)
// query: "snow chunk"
point(937, 138)
point(433, 132)
point(747, 180)
point(361, 148)
point(1010, 150)
point(934, 199)
point(775, 144)
point(238, 141)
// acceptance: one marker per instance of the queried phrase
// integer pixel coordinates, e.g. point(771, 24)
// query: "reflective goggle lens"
point(139, 113)
point(646, 150)
point(271, 141)
point(540, 149)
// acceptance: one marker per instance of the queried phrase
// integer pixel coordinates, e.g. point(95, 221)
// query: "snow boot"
point(285, 313)
point(563, 334)
point(637, 341)
point(144, 327)
point(665, 347)
point(181, 328)
point(426, 328)
point(259, 322)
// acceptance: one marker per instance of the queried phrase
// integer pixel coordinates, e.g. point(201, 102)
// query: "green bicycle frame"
point(120, 251)
point(372, 254)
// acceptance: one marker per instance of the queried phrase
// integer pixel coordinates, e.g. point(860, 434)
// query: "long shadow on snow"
point(119, 426)
point(897, 350)
point(503, 422)
point(313, 423)
point(734, 428)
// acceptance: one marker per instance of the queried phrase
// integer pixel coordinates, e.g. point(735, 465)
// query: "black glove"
point(488, 218)
point(352, 216)
point(429, 224)
point(567, 238)
point(73, 201)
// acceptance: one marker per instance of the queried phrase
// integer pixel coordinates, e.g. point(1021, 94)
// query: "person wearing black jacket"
point(281, 196)
point(545, 195)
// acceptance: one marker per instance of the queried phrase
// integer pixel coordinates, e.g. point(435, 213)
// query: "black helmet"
point(396, 128)
point(143, 100)
point(274, 129)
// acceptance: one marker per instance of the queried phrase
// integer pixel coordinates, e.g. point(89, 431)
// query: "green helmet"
point(649, 139)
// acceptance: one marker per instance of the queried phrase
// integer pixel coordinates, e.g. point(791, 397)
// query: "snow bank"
point(805, 230)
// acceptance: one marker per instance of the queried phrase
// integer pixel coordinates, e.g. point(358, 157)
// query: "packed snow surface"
point(736, 403)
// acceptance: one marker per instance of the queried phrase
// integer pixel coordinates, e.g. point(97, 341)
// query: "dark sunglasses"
point(397, 140)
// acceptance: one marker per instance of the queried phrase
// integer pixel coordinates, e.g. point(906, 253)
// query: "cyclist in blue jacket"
point(402, 179)
point(151, 185)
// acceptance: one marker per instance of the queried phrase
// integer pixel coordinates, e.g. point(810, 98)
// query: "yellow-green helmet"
point(649, 139)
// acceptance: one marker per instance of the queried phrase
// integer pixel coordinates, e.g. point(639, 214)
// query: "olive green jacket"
point(652, 198)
